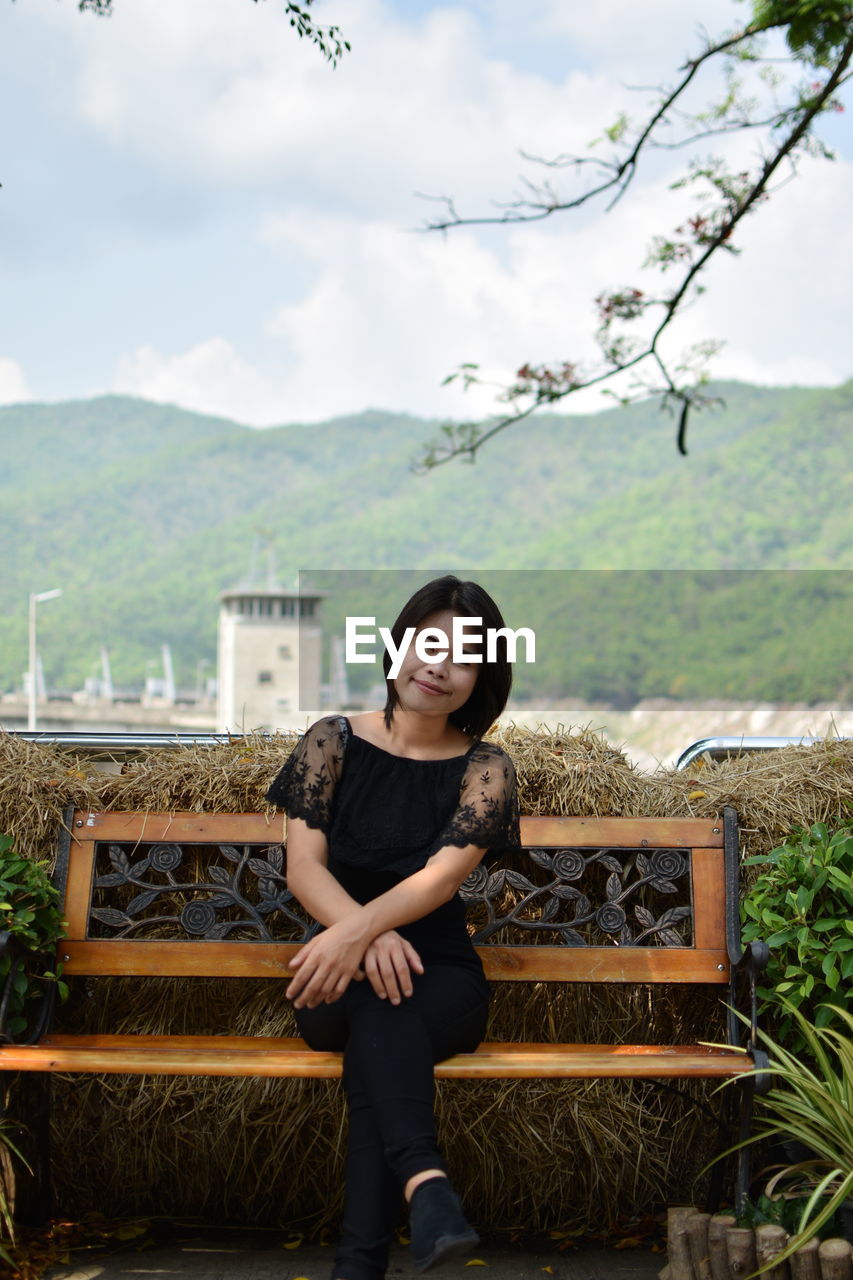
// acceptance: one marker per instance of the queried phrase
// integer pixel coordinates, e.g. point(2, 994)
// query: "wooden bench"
point(592, 900)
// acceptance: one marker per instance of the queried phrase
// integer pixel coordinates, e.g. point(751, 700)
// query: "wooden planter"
point(702, 1247)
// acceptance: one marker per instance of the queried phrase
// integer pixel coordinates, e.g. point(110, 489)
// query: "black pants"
point(389, 1054)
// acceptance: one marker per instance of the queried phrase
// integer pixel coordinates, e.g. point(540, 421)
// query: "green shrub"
point(785, 1209)
point(802, 906)
point(29, 913)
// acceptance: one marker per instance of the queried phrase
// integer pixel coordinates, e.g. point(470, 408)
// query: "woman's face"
point(436, 686)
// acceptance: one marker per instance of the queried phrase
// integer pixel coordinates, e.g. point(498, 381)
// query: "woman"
point(388, 813)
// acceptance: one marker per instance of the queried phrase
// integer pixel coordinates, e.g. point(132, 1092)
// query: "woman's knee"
point(461, 1034)
point(324, 1028)
point(446, 1014)
point(454, 1007)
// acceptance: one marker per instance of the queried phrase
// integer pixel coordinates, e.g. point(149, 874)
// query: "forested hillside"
point(142, 513)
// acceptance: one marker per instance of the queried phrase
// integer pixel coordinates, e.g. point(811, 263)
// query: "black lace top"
point(385, 815)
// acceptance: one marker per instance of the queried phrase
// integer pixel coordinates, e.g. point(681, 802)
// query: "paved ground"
point(201, 1258)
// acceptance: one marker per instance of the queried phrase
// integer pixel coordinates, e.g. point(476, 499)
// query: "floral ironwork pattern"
point(568, 902)
point(179, 889)
point(580, 897)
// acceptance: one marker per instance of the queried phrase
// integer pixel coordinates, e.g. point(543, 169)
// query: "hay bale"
point(580, 773)
point(568, 772)
point(227, 777)
point(534, 1153)
point(37, 782)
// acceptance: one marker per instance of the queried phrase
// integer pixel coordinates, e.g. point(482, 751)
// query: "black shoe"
point(438, 1228)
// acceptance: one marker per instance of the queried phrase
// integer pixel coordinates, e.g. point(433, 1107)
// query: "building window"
point(285, 652)
point(264, 677)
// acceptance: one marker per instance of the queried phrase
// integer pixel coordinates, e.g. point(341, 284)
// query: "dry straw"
point(532, 1154)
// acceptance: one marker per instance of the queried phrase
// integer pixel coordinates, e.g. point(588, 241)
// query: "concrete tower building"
point(270, 643)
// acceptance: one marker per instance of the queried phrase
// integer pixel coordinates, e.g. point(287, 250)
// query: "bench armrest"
point(753, 961)
point(750, 960)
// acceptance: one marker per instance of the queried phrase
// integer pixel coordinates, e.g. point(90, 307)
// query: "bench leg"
point(734, 1124)
point(726, 1121)
point(44, 1186)
point(34, 1193)
point(743, 1156)
point(715, 1178)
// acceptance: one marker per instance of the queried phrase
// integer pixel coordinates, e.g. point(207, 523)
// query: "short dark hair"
point(494, 679)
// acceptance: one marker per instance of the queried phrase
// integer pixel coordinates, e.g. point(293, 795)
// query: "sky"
point(196, 208)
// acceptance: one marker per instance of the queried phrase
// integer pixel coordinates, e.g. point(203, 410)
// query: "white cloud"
point(210, 378)
point(229, 95)
point(388, 314)
point(13, 384)
point(224, 98)
point(624, 35)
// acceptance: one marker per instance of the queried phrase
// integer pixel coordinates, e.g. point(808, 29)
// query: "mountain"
point(142, 513)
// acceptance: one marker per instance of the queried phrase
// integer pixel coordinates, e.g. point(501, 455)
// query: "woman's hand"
point(388, 964)
point(326, 965)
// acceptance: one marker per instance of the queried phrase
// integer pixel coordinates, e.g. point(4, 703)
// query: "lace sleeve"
point(305, 787)
point(487, 813)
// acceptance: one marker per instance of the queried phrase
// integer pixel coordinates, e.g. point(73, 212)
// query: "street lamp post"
point(36, 598)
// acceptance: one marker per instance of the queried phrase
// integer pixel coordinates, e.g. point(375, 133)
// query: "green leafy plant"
point(31, 920)
point(30, 928)
point(784, 1209)
point(811, 1101)
point(7, 1186)
point(802, 906)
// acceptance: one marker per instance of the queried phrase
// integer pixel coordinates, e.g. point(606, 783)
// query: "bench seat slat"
point(271, 1057)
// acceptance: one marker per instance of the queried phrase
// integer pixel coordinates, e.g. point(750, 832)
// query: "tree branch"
point(328, 40)
point(622, 172)
point(705, 236)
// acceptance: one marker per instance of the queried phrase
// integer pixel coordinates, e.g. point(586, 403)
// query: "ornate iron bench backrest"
point(586, 899)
